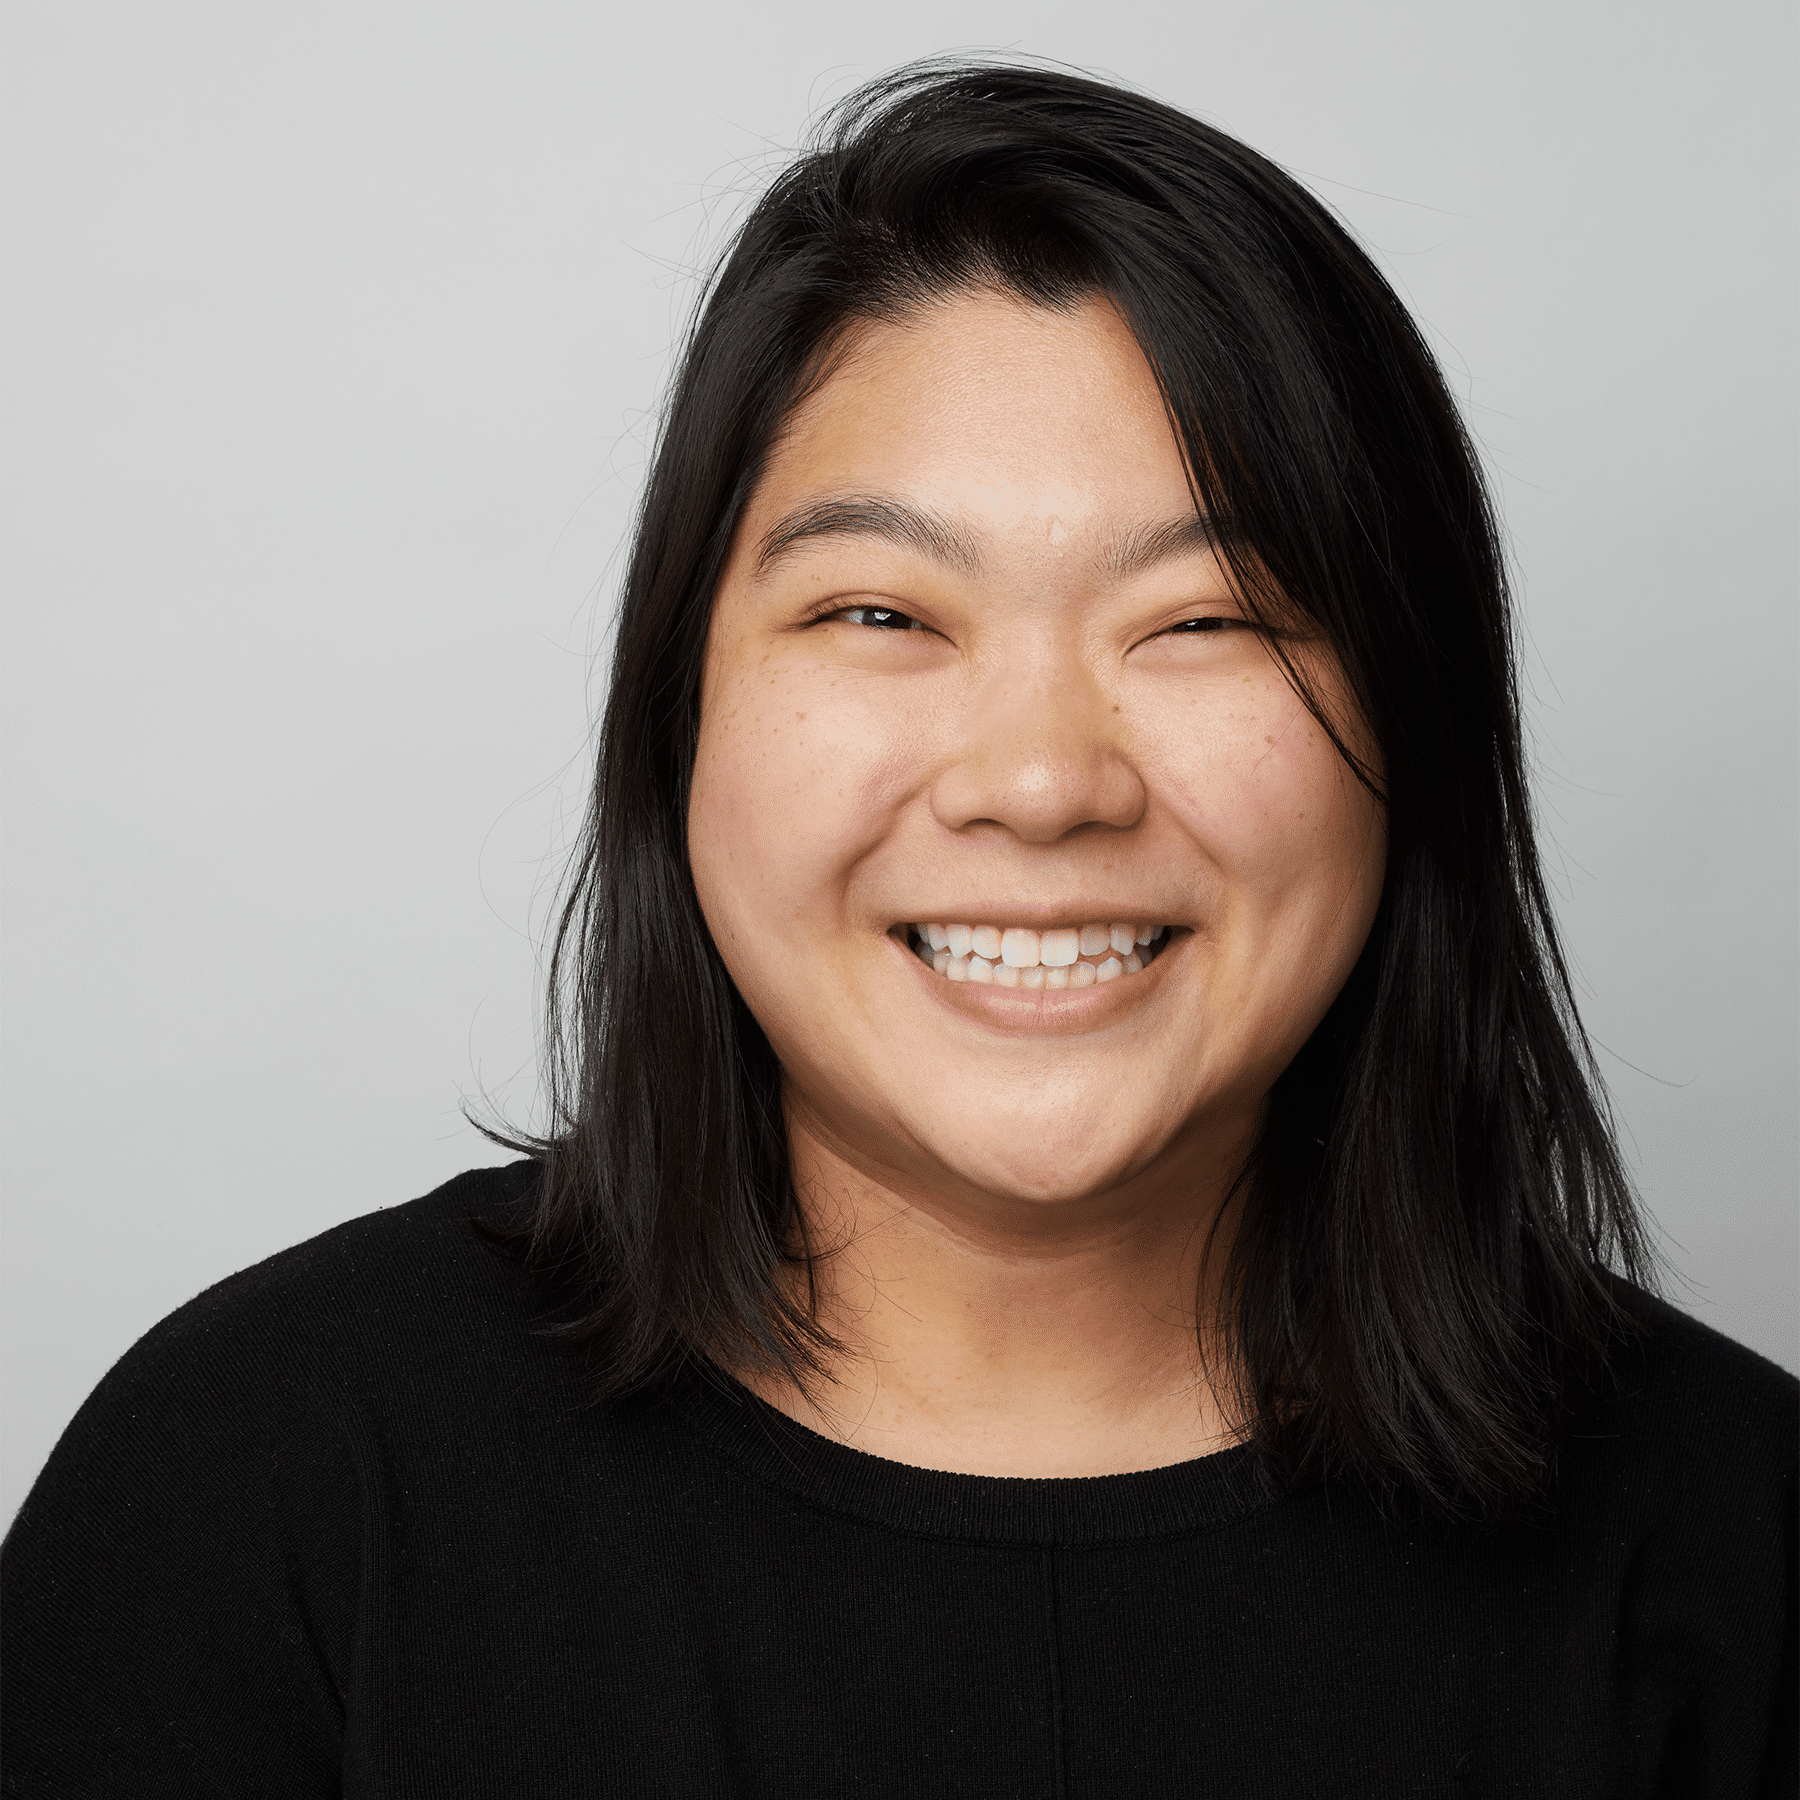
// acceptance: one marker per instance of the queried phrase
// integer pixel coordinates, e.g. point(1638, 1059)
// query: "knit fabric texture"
point(348, 1524)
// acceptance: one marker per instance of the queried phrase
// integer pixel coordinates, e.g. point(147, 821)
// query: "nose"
point(1040, 753)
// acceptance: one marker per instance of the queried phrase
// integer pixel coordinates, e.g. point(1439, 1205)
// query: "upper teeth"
point(1021, 948)
point(1016, 956)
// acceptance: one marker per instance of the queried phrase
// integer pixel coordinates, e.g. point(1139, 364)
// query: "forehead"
point(992, 405)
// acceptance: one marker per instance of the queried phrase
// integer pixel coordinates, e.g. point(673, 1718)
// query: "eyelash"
point(865, 615)
point(869, 615)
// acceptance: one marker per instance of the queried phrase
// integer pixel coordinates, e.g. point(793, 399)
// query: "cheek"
point(792, 780)
point(1258, 784)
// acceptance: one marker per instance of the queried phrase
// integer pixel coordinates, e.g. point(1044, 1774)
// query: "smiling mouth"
point(1074, 956)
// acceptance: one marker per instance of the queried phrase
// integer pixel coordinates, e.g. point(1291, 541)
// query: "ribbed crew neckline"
point(767, 1445)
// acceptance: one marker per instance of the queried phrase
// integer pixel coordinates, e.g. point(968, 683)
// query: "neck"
point(1017, 1338)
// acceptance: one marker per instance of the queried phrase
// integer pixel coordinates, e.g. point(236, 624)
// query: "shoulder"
point(1674, 1551)
point(197, 1550)
point(1689, 1394)
point(391, 1256)
point(393, 1284)
point(386, 1315)
point(1698, 1440)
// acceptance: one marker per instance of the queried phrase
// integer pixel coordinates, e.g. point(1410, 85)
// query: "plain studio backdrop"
point(333, 334)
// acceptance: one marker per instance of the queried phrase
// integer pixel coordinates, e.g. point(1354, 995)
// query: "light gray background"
point(331, 336)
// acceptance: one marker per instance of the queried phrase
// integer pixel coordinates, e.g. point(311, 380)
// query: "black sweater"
point(345, 1524)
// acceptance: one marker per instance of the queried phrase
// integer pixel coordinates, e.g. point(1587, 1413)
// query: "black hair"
point(1417, 1290)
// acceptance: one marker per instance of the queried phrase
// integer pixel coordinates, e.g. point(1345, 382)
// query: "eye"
point(880, 618)
point(1213, 622)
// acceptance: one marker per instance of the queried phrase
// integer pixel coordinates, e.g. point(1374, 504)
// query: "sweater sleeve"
point(180, 1587)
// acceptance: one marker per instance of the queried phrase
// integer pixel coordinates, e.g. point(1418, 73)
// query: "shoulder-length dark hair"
point(1417, 1291)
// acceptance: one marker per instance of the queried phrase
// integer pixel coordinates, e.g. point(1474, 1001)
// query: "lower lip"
point(1044, 1011)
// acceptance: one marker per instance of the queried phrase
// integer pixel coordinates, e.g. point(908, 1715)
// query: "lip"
point(1038, 917)
point(1037, 1012)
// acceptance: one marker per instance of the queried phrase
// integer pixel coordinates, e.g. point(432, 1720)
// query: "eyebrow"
point(898, 522)
point(1152, 544)
point(876, 516)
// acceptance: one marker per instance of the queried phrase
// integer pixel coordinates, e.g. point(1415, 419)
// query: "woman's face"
point(972, 667)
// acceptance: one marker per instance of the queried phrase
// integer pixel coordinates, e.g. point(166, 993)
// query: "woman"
point(1075, 1253)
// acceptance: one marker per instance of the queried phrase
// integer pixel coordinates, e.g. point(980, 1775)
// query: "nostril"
point(1040, 777)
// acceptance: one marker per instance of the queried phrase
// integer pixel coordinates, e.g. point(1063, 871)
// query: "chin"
point(1049, 1171)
